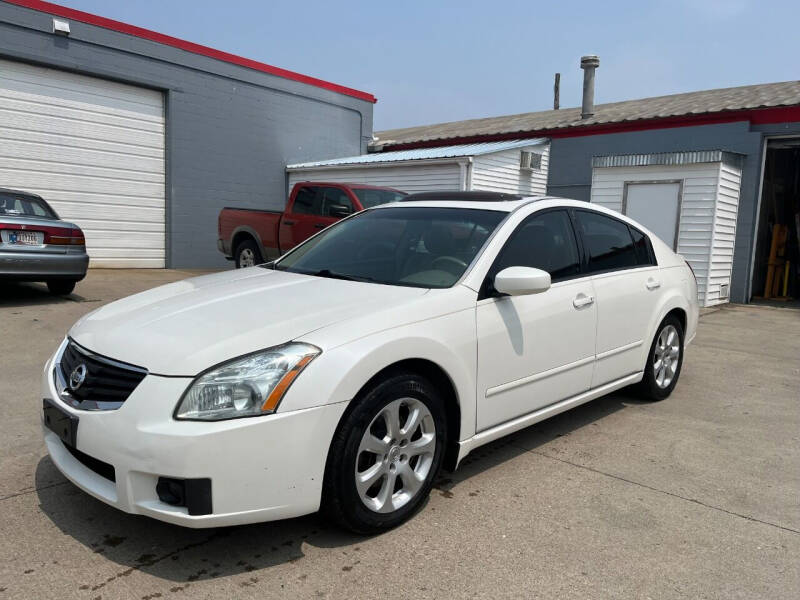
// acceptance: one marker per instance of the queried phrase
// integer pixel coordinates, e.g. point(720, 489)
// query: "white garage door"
point(92, 148)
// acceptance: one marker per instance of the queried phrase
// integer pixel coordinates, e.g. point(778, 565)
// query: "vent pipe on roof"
point(588, 64)
point(556, 91)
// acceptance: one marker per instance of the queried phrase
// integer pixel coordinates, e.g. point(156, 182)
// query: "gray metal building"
point(727, 159)
point(141, 138)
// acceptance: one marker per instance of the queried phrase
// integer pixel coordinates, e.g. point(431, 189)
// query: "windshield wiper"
point(335, 275)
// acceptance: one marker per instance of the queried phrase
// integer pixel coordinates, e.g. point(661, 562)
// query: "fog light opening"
point(171, 491)
point(194, 494)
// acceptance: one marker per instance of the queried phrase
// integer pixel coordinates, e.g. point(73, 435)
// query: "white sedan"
point(346, 374)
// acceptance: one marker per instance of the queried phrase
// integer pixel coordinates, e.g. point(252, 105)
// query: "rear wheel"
point(386, 455)
point(664, 361)
point(248, 254)
point(61, 287)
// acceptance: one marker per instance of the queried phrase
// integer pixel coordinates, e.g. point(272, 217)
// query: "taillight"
point(59, 236)
point(63, 236)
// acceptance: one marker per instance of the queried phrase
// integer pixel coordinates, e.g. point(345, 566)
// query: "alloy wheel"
point(666, 356)
point(395, 455)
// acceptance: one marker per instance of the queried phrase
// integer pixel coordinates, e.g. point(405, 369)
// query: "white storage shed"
point(689, 199)
point(516, 166)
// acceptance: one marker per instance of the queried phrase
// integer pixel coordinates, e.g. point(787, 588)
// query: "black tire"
point(245, 250)
point(61, 287)
point(341, 500)
point(650, 387)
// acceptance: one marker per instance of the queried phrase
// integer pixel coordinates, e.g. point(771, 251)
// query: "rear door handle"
point(582, 300)
point(653, 284)
point(319, 225)
point(288, 222)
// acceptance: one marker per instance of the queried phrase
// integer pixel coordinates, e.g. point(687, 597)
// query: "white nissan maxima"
point(347, 373)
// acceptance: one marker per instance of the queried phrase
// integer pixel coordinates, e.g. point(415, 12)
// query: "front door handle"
point(288, 222)
point(582, 300)
point(319, 225)
point(653, 284)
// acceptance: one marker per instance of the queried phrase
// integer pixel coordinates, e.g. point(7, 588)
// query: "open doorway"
point(776, 267)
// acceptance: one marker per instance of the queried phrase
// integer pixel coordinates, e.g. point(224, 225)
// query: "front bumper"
point(38, 266)
point(261, 468)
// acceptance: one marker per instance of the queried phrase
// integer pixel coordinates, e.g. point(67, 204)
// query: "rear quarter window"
point(644, 249)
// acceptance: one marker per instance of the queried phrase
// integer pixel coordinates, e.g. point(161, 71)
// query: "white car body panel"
point(512, 361)
point(548, 356)
point(197, 323)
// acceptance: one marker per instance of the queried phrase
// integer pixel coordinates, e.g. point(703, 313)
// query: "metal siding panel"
point(408, 178)
point(116, 124)
point(500, 172)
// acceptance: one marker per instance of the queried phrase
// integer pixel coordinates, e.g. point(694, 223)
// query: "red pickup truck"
point(251, 236)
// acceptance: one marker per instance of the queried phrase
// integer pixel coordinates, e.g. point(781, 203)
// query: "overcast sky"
point(435, 61)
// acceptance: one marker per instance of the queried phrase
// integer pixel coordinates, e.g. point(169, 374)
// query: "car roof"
point(451, 200)
point(512, 203)
point(19, 193)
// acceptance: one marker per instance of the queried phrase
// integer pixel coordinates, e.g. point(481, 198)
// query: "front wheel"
point(385, 455)
point(664, 361)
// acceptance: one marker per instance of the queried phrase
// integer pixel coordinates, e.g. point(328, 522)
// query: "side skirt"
point(498, 431)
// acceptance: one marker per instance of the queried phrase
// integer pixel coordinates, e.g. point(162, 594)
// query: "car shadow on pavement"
point(182, 555)
point(15, 294)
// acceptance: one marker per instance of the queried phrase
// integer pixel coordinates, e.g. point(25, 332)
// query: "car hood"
point(186, 327)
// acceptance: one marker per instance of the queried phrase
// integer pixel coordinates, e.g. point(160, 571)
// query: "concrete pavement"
point(694, 497)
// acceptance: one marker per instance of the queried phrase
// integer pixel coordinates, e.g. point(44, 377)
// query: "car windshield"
point(371, 197)
point(17, 205)
point(407, 246)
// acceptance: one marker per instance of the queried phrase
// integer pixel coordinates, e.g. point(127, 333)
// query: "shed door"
point(94, 149)
point(656, 206)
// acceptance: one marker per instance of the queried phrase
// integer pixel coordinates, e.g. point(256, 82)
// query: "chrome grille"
point(105, 384)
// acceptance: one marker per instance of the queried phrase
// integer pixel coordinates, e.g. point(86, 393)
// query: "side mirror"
point(521, 281)
point(339, 211)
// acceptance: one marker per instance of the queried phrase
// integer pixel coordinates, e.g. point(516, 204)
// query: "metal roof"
point(668, 158)
point(425, 153)
point(660, 107)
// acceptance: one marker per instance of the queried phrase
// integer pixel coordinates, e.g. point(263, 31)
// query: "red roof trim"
point(757, 116)
point(154, 36)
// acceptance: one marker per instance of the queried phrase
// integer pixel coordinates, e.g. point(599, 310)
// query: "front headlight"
point(245, 387)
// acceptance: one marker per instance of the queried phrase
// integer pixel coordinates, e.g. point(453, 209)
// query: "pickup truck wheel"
point(248, 254)
point(61, 287)
point(385, 455)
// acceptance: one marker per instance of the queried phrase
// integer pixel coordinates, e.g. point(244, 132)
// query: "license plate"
point(61, 422)
point(24, 238)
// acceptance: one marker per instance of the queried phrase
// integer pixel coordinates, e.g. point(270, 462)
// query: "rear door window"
point(607, 242)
